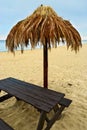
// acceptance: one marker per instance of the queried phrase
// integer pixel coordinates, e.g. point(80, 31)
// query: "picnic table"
point(4, 125)
point(44, 100)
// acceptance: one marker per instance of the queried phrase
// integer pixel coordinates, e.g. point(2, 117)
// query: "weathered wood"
point(43, 99)
point(37, 88)
point(41, 120)
point(56, 108)
point(65, 102)
point(5, 97)
point(4, 125)
point(37, 96)
point(54, 118)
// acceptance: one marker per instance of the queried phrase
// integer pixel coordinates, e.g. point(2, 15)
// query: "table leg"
point(55, 117)
point(41, 120)
point(56, 108)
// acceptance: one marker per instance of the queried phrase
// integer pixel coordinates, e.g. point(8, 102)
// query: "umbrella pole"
point(45, 67)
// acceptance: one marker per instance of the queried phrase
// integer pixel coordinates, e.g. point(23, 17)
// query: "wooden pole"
point(45, 66)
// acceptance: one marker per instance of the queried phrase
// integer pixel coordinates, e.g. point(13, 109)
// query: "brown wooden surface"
point(5, 97)
point(4, 125)
point(65, 102)
point(41, 98)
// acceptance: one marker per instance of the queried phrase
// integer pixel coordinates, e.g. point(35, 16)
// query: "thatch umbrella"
point(46, 28)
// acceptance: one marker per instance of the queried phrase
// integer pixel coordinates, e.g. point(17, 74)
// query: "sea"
point(4, 49)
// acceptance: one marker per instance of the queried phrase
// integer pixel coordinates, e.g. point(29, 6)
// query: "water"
point(3, 47)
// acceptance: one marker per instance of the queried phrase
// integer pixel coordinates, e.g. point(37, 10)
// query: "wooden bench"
point(4, 125)
point(43, 99)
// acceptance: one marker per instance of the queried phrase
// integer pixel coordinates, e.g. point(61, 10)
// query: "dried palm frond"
point(44, 26)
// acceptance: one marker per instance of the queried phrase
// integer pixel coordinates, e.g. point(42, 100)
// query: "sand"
point(67, 74)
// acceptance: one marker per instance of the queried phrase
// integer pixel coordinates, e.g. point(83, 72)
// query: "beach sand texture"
point(67, 74)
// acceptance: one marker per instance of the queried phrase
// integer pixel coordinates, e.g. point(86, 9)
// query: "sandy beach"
point(67, 74)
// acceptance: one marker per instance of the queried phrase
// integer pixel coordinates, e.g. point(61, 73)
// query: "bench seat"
point(4, 125)
point(65, 102)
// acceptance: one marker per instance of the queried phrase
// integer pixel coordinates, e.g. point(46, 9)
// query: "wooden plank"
point(23, 96)
point(32, 94)
point(26, 98)
point(35, 94)
point(65, 102)
point(4, 125)
point(54, 118)
point(38, 88)
point(35, 87)
point(26, 92)
point(44, 95)
point(43, 99)
point(5, 97)
point(41, 120)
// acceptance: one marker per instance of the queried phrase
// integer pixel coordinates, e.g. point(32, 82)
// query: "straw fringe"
point(44, 26)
